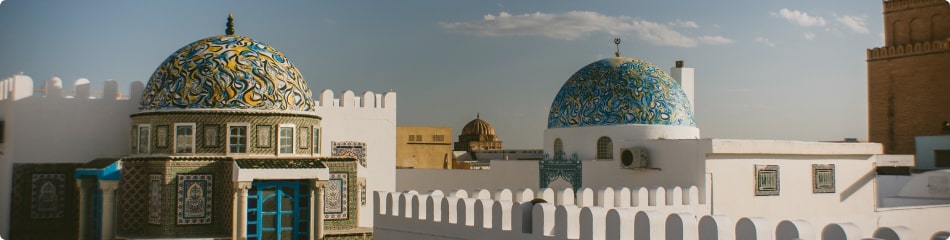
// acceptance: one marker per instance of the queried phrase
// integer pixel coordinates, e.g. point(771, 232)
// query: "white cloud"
point(800, 18)
point(809, 36)
point(764, 41)
point(714, 40)
point(576, 24)
point(855, 23)
point(684, 24)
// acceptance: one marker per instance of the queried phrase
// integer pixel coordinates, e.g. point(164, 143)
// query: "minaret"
point(684, 76)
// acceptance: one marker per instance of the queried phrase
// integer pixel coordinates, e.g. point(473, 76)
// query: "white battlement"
point(348, 99)
point(608, 213)
point(21, 86)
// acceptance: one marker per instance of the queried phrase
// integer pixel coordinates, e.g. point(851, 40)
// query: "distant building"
point(477, 135)
point(423, 147)
point(909, 77)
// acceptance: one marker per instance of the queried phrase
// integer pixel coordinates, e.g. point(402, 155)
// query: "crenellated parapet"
point(897, 5)
point(348, 99)
point(886, 52)
point(631, 214)
point(21, 86)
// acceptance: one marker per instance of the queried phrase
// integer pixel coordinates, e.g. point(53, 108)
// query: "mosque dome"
point(618, 91)
point(478, 127)
point(227, 72)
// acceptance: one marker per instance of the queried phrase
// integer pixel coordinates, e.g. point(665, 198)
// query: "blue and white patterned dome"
point(617, 91)
point(230, 72)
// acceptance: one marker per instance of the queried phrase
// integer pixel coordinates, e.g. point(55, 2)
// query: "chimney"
point(684, 76)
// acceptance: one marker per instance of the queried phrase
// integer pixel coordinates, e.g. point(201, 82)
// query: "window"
point(766, 180)
point(605, 148)
point(438, 138)
point(237, 138)
point(418, 138)
point(942, 158)
point(412, 138)
point(558, 146)
point(184, 138)
point(304, 138)
point(161, 136)
point(211, 135)
point(286, 139)
point(823, 178)
point(316, 140)
point(143, 139)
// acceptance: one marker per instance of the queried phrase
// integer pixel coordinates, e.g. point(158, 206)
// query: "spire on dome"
point(230, 29)
point(617, 42)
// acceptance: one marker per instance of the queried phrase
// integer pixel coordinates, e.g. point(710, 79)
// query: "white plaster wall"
point(679, 163)
point(503, 174)
point(890, 185)
point(369, 118)
point(54, 129)
point(583, 140)
point(733, 188)
point(924, 221)
point(925, 146)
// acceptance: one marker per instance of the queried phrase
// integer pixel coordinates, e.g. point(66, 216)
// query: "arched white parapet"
point(419, 205)
point(593, 223)
point(503, 194)
point(641, 197)
point(681, 226)
point(449, 210)
point(501, 215)
point(434, 207)
point(657, 196)
point(465, 210)
point(622, 197)
point(605, 197)
point(377, 208)
point(693, 197)
point(110, 90)
point(483, 213)
point(564, 196)
point(326, 98)
point(585, 197)
point(843, 231)
point(547, 194)
point(542, 218)
point(389, 100)
point(524, 195)
point(649, 225)
point(405, 205)
point(82, 88)
point(618, 223)
point(521, 217)
point(566, 222)
point(754, 228)
point(459, 193)
point(794, 229)
point(347, 99)
point(941, 235)
point(894, 233)
point(675, 197)
point(136, 90)
point(393, 203)
point(481, 194)
point(716, 227)
point(368, 99)
point(53, 88)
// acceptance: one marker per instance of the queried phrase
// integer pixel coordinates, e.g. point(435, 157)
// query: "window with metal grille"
point(286, 140)
point(766, 180)
point(237, 139)
point(823, 178)
point(605, 148)
point(185, 138)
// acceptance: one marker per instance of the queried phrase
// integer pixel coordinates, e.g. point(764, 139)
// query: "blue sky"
point(764, 69)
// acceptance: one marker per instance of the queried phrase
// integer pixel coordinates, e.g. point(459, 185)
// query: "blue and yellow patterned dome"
point(228, 72)
point(617, 91)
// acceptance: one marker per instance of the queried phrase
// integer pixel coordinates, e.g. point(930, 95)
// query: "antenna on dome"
point(478, 115)
point(617, 42)
point(230, 29)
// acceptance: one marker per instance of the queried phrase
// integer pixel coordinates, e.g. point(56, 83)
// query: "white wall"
point(583, 140)
point(59, 129)
point(925, 146)
point(503, 174)
point(369, 118)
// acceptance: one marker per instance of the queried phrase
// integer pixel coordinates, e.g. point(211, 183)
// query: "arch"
point(899, 33)
point(716, 227)
point(841, 231)
point(753, 228)
point(894, 233)
point(794, 229)
point(605, 148)
point(940, 26)
point(919, 30)
point(941, 235)
point(558, 147)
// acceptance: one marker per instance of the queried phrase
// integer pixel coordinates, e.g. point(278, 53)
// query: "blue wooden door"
point(278, 210)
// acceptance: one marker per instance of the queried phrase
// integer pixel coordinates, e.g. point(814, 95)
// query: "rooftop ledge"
point(735, 146)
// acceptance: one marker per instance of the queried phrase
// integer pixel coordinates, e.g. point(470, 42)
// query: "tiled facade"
point(45, 202)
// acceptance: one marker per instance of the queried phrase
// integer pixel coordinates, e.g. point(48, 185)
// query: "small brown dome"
point(478, 127)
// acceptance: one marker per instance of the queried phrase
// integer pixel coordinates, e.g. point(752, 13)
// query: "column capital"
point(108, 185)
point(317, 184)
point(242, 185)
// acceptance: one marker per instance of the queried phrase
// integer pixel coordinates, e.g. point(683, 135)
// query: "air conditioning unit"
point(634, 158)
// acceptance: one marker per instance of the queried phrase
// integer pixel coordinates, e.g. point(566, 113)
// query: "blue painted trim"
point(110, 172)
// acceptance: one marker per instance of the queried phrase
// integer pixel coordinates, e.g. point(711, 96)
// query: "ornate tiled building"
point(477, 135)
point(226, 142)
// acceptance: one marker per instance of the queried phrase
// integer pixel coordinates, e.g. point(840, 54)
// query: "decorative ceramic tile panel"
point(352, 149)
point(194, 198)
point(823, 178)
point(767, 180)
point(210, 135)
point(335, 195)
point(161, 135)
point(48, 195)
point(263, 136)
point(155, 198)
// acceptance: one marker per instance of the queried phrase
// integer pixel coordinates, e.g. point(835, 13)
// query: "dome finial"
point(617, 42)
point(478, 115)
point(230, 29)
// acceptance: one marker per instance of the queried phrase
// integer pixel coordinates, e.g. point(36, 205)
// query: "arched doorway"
point(278, 210)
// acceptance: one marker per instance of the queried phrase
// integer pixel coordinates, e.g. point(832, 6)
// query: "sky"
point(790, 70)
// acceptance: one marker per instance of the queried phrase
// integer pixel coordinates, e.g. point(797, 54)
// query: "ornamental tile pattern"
point(351, 149)
point(155, 198)
point(48, 195)
point(617, 91)
point(195, 198)
point(335, 194)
